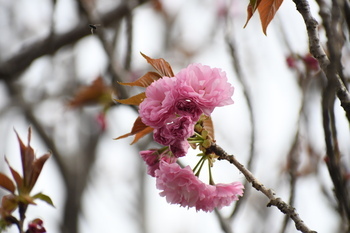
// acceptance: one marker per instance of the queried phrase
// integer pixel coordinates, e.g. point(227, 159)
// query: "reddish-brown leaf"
point(31, 166)
point(162, 66)
point(208, 126)
point(267, 10)
point(92, 94)
point(7, 183)
point(141, 134)
point(37, 166)
point(8, 204)
point(16, 176)
point(145, 80)
point(137, 127)
point(27, 158)
point(252, 6)
point(133, 100)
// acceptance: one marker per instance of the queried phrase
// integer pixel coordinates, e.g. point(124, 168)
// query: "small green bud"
point(206, 143)
point(198, 128)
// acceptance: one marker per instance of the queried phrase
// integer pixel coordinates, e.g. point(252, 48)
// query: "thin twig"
point(274, 201)
point(13, 66)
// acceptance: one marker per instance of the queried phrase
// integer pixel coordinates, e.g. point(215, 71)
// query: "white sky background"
point(276, 100)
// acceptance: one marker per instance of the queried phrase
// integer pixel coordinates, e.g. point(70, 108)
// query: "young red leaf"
point(133, 100)
point(7, 183)
point(141, 134)
point(252, 6)
point(31, 166)
point(37, 166)
point(267, 10)
point(137, 127)
point(8, 204)
point(27, 158)
point(145, 80)
point(44, 198)
point(16, 176)
point(162, 66)
point(97, 92)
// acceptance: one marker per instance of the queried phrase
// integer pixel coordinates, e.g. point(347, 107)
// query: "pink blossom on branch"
point(194, 90)
point(152, 159)
point(181, 186)
point(156, 109)
point(206, 86)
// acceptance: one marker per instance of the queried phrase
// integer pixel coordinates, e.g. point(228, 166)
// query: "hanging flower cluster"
point(177, 108)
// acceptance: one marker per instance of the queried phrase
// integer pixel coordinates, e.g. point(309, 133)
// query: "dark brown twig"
point(317, 51)
point(274, 201)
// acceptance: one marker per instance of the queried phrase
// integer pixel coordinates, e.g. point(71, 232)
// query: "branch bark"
point(317, 51)
point(274, 201)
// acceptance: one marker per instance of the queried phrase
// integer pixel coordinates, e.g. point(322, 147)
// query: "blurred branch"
point(317, 51)
point(115, 70)
point(333, 159)
point(274, 201)
point(293, 162)
point(333, 71)
point(246, 92)
point(10, 68)
point(129, 40)
point(224, 222)
point(29, 114)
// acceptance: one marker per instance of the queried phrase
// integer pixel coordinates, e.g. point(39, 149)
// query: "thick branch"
point(274, 201)
point(317, 51)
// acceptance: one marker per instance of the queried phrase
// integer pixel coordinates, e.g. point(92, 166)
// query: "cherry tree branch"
point(274, 201)
point(317, 51)
point(332, 69)
point(13, 66)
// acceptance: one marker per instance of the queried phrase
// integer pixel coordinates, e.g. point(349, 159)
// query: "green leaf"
point(145, 80)
point(44, 198)
point(133, 100)
point(162, 66)
point(7, 183)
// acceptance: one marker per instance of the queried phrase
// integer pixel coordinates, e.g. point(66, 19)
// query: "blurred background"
point(59, 60)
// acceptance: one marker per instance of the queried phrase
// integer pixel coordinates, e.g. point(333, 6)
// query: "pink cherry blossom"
point(222, 195)
point(155, 110)
point(179, 129)
point(208, 87)
point(152, 159)
point(163, 136)
point(181, 186)
point(179, 148)
point(187, 107)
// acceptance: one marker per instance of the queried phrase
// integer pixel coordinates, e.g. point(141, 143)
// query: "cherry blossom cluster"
point(173, 107)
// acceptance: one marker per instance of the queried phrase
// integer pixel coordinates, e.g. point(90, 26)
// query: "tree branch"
point(18, 63)
point(317, 51)
point(274, 201)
